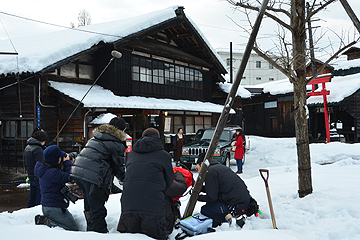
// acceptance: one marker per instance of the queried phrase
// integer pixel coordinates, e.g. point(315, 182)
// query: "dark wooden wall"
point(118, 79)
point(352, 107)
point(10, 104)
point(270, 122)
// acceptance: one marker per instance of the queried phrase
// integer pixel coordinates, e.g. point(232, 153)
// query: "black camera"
point(69, 195)
point(73, 155)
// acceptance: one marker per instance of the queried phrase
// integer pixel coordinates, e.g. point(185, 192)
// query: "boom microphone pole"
point(114, 54)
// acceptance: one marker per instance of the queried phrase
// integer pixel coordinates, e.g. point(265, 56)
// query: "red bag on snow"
point(188, 175)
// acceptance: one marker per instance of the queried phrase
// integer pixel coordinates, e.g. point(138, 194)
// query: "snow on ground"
point(332, 211)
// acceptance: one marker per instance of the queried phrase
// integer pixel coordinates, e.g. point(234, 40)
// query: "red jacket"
point(239, 151)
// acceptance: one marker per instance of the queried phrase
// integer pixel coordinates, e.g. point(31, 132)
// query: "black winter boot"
point(41, 220)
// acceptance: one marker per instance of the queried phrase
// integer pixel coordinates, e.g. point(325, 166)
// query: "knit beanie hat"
point(119, 123)
point(52, 154)
point(151, 132)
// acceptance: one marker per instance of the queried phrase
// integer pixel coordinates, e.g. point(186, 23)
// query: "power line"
point(11, 84)
point(219, 27)
point(76, 29)
point(56, 25)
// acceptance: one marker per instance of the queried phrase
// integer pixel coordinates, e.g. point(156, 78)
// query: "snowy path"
point(331, 212)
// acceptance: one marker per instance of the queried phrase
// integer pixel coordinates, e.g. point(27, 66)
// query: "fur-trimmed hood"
point(111, 130)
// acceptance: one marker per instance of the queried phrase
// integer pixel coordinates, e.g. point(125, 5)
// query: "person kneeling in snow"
point(53, 173)
point(227, 196)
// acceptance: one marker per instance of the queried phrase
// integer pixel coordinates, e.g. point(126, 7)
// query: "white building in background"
point(257, 71)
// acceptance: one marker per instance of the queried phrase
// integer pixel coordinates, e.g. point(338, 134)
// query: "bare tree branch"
point(286, 72)
point(315, 11)
point(243, 28)
point(242, 3)
point(276, 19)
point(332, 58)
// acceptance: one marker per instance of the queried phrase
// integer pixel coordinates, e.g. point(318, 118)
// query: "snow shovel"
point(268, 194)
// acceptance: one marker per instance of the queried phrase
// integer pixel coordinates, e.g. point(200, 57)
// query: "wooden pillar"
point(184, 123)
point(134, 129)
point(161, 126)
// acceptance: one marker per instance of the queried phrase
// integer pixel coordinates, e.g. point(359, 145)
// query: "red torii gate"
point(323, 92)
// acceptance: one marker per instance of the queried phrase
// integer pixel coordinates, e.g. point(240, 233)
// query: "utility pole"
point(225, 113)
point(231, 64)
point(351, 14)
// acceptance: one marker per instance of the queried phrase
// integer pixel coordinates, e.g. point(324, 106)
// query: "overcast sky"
point(215, 18)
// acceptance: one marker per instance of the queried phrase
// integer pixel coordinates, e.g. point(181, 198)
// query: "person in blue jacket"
point(53, 173)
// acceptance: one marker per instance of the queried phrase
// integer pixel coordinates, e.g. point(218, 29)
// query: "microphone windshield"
point(116, 54)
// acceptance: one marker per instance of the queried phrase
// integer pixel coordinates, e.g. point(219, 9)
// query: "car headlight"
point(217, 152)
point(185, 151)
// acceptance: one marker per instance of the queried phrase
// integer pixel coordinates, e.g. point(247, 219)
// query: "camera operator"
point(53, 173)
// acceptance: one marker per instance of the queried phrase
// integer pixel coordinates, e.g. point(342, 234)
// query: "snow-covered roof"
point(341, 63)
point(339, 87)
point(99, 97)
point(277, 87)
point(103, 118)
point(226, 87)
point(40, 51)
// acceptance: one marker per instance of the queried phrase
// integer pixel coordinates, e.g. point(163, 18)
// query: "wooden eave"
point(351, 50)
point(180, 31)
point(166, 50)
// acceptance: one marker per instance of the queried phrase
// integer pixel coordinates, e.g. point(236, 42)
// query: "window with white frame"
point(150, 70)
point(21, 129)
point(258, 64)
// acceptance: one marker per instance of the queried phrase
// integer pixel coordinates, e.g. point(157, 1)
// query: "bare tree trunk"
point(301, 127)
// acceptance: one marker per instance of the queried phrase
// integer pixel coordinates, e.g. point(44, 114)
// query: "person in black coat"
point(223, 190)
point(148, 174)
point(33, 153)
point(102, 158)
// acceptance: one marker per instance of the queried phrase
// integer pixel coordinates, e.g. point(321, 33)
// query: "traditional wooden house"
point(164, 79)
point(269, 111)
